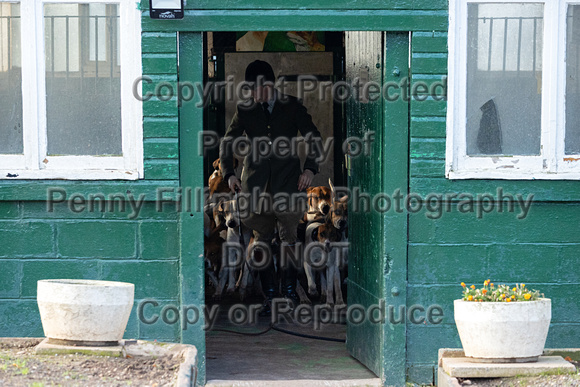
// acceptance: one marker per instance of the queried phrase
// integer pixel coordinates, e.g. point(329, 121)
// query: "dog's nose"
point(231, 223)
point(325, 209)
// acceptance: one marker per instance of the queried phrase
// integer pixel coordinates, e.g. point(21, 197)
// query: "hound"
point(319, 200)
point(327, 255)
point(233, 258)
point(212, 248)
point(216, 182)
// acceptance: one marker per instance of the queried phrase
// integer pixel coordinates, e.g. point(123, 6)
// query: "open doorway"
point(259, 352)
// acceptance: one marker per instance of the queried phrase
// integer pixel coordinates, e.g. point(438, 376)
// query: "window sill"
point(116, 174)
point(511, 175)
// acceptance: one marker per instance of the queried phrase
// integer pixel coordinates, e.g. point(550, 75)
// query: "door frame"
point(396, 124)
point(383, 239)
point(192, 287)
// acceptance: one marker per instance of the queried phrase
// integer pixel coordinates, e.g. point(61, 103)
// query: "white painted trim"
point(83, 162)
point(15, 161)
point(34, 163)
point(514, 176)
point(131, 69)
point(41, 85)
point(74, 174)
point(452, 86)
point(552, 163)
point(30, 91)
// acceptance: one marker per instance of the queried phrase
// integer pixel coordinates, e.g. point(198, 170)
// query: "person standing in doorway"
point(272, 118)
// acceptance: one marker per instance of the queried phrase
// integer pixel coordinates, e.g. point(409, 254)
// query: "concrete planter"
point(501, 331)
point(85, 311)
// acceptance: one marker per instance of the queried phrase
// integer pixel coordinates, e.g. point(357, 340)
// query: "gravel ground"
point(567, 380)
point(20, 366)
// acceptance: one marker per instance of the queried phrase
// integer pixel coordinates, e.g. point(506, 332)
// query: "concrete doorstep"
point(294, 383)
point(452, 364)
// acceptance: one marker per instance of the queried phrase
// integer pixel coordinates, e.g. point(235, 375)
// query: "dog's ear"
point(216, 164)
point(221, 206)
point(314, 235)
point(332, 191)
point(344, 199)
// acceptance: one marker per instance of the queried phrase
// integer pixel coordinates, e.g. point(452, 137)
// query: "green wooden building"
point(480, 172)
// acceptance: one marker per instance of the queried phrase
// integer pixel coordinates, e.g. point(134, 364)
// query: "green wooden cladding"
point(287, 19)
point(313, 5)
point(160, 110)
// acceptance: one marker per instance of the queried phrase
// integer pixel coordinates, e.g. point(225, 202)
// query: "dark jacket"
point(288, 118)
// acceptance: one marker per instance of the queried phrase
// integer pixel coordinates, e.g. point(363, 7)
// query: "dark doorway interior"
point(256, 351)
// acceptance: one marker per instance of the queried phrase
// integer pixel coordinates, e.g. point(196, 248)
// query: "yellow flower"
point(463, 284)
point(470, 298)
point(484, 291)
point(514, 290)
point(508, 300)
point(527, 296)
point(523, 285)
point(472, 286)
point(491, 285)
point(513, 297)
point(503, 296)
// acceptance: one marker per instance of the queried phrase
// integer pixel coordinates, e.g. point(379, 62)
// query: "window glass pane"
point(10, 80)
point(572, 81)
point(83, 95)
point(504, 77)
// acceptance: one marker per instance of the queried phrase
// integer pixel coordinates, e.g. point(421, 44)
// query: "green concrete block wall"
point(36, 244)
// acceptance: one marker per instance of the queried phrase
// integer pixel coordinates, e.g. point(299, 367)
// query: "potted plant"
point(502, 323)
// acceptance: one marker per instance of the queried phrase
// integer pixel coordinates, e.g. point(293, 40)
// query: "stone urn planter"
point(84, 312)
point(503, 332)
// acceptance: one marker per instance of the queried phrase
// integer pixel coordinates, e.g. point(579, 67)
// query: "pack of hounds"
point(324, 266)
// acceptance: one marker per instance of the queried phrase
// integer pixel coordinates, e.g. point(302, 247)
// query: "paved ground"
point(274, 356)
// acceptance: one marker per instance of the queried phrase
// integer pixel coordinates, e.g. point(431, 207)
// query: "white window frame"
point(34, 163)
point(552, 163)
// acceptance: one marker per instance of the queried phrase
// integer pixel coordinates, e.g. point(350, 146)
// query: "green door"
point(378, 237)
